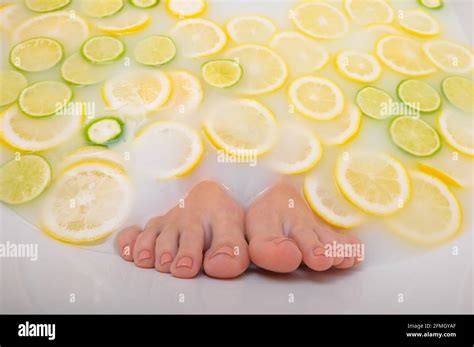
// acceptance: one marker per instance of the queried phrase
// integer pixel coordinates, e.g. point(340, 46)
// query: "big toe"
point(125, 241)
point(277, 254)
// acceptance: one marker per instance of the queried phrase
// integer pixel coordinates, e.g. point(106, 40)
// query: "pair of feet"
point(210, 230)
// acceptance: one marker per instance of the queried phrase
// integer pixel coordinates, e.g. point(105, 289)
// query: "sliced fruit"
point(368, 12)
point(246, 29)
point(199, 37)
point(418, 22)
point(186, 8)
point(222, 73)
point(431, 4)
point(302, 54)
point(24, 179)
point(46, 5)
point(432, 216)
point(320, 20)
point(449, 56)
point(358, 66)
point(419, 95)
point(105, 130)
point(44, 98)
point(460, 92)
point(404, 55)
point(383, 29)
point(144, 3)
point(375, 182)
point(77, 70)
point(325, 199)
point(11, 15)
point(168, 149)
point(36, 55)
point(241, 127)
point(415, 136)
point(87, 203)
point(11, 84)
point(88, 153)
point(187, 91)
point(458, 131)
point(342, 129)
point(125, 23)
point(316, 97)
point(438, 173)
point(101, 8)
point(103, 49)
point(155, 50)
point(375, 102)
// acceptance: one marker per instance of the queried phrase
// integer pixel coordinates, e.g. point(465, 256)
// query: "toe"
point(355, 252)
point(311, 247)
point(125, 241)
point(166, 248)
point(330, 238)
point(188, 260)
point(144, 250)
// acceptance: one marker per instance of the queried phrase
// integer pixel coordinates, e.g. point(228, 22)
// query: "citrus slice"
point(222, 73)
point(88, 153)
point(101, 8)
point(155, 50)
point(187, 91)
point(11, 15)
point(302, 54)
point(11, 84)
point(432, 216)
point(103, 49)
point(144, 3)
point(77, 70)
point(438, 173)
point(404, 55)
point(125, 23)
point(374, 102)
point(383, 29)
point(418, 22)
point(255, 29)
point(419, 95)
point(449, 56)
point(87, 203)
point(415, 136)
point(241, 127)
point(168, 149)
point(36, 55)
point(325, 199)
point(186, 8)
point(44, 98)
point(265, 71)
point(320, 20)
point(137, 92)
point(24, 179)
point(105, 130)
point(37, 134)
point(366, 12)
point(460, 92)
point(375, 182)
point(458, 131)
point(431, 4)
point(199, 37)
point(342, 129)
point(316, 97)
point(46, 5)
point(358, 66)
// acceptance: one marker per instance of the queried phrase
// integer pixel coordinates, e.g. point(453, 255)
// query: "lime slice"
point(374, 103)
point(105, 130)
point(419, 95)
point(46, 5)
point(44, 98)
point(460, 92)
point(144, 3)
point(23, 179)
point(101, 8)
point(431, 4)
point(155, 50)
point(415, 136)
point(222, 73)
point(77, 70)
point(36, 55)
point(11, 84)
point(103, 49)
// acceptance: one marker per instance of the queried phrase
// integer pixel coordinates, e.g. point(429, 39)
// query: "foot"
point(283, 231)
point(205, 230)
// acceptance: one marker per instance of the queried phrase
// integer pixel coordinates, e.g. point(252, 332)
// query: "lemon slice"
point(187, 91)
point(449, 56)
point(415, 136)
point(46, 5)
point(36, 55)
point(255, 29)
point(418, 22)
point(125, 23)
point(70, 30)
point(342, 129)
point(302, 54)
point(87, 203)
point(144, 3)
point(438, 173)
point(419, 95)
point(374, 102)
point(320, 20)
point(155, 50)
point(375, 182)
point(11, 15)
point(368, 12)
point(137, 92)
point(241, 127)
point(316, 97)
point(325, 199)
point(37, 134)
point(101, 8)
point(432, 216)
point(358, 66)
point(186, 8)
point(431, 4)
point(199, 37)
point(24, 179)
point(460, 92)
point(88, 153)
point(11, 84)
point(103, 49)
point(404, 55)
point(77, 70)
point(458, 131)
point(222, 73)
point(265, 71)
point(44, 98)
point(168, 149)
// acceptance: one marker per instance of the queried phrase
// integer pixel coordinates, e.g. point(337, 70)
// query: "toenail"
point(319, 251)
point(282, 239)
point(223, 250)
point(185, 262)
point(166, 258)
point(144, 255)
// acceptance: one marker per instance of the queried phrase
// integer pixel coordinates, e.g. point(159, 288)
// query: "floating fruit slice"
point(144, 3)
point(11, 84)
point(404, 55)
point(375, 102)
point(155, 50)
point(358, 66)
point(222, 73)
point(77, 70)
point(105, 130)
point(431, 4)
point(449, 56)
point(87, 203)
point(419, 95)
point(418, 22)
point(320, 20)
point(44, 98)
point(46, 5)
point(368, 12)
point(103, 49)
point(186, 8)
point(187, 91)
point(342, 129)
point(443, 176)
point(36, 55)
point(125, 23)
point(254, 29)
point(88, 153)
point(432, 216)
point(316, 97)
point(458, 131)
point(460, 92)
point(101, 8)
point(375, 182)
point(199, 37)
point(24, 179)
